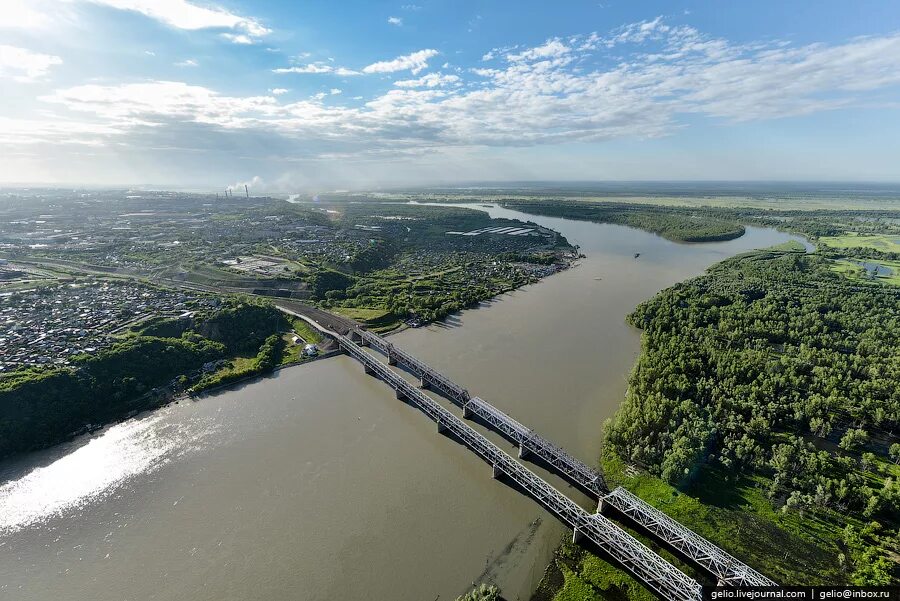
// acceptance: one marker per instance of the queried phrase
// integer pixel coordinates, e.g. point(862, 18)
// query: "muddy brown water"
point(318, 484)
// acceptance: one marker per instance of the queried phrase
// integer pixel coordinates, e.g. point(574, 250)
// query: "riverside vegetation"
point(40, 407)
point(764, 408)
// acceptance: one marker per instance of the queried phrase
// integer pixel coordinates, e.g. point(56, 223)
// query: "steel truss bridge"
point(654, 572)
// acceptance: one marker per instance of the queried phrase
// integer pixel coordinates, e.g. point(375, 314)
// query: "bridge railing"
point(657, 574)
point(531, 442)
point(728, 569)
point(428, 375)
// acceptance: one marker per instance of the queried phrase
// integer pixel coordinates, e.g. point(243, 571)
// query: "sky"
point(293, 96)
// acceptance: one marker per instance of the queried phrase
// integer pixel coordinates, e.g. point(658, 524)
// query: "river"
point(316, 483)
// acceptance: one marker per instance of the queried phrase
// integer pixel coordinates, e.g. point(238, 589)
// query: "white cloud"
point(238, 38)
point(415, 62)
point(149, 53)
point(23, 14)
point(187, 63)
point(316, 68)
point(538, 96)
point(551, 49)
point(398, 21)
point(24, 65)
point(431, 80)
point(182, 14)
point(334, 91)
point(278, 91)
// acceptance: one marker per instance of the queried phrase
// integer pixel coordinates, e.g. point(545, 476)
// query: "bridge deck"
point(728, 569)
point(527, 439)
point(650, 569)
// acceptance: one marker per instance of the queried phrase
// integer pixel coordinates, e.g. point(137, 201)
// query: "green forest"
point(678, 224)
point(40, 407)
point(775, 374)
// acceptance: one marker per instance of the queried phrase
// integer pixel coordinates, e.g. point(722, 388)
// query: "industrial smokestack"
point(246, 190)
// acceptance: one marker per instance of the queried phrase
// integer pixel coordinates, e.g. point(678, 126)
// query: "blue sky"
point(301, 96)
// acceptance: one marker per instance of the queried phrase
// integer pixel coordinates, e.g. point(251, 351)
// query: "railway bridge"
point(722, 566)
point(634, 557)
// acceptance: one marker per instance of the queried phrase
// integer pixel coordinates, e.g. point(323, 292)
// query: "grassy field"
point(378, 320)
point(854, 270)
point(306, 331)
point(884, 242)
point(788, 547)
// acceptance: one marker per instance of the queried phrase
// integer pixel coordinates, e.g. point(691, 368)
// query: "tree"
point(853, 439)
point(895, 452)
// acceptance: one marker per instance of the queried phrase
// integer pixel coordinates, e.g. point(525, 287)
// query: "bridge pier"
point(368, 369)
point(577, 536)
point(523, 450)
point(467, 413)
point(424, 384)
point(600, 506)
point(392, 359)
point(496, 472)
point(399, 394)
point(442, 427)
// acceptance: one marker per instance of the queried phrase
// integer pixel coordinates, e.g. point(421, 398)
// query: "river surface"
point(316, 483)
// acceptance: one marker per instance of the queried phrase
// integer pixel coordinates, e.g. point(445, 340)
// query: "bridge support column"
point(577, 536)
point(467, 413)
point(523, 450)
point(600, 506)
point(392, 359)
point(355, 336)
point(363, 341)
point(442, 427)
point(496, 472)
point(424, 384)
point(368, 369)
point(400, 395)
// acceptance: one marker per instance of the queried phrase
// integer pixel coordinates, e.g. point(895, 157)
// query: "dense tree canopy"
point(771, 363)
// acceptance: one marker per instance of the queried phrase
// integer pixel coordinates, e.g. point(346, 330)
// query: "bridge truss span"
point(729, 570)
point(655, 573)
point(528, 440)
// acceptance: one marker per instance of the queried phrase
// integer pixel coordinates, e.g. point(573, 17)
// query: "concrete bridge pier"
point(600, 506)
point(392, 359)
point(577, 536)
point(442, 427)
point(467, 413)
point(424, 384)
point(496, 472)
point(355, 336)
point(368, 369)
point(400, 395)
point(523, 450)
